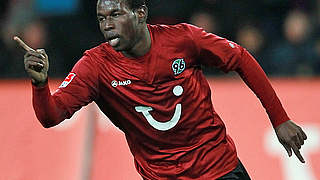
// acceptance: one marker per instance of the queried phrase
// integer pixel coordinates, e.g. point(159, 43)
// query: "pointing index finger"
point(297, 152)
point(22, 44)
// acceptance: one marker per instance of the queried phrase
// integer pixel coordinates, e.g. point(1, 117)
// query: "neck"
point(142, 46)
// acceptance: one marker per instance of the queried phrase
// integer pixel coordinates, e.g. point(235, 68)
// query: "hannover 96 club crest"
point(178, 66)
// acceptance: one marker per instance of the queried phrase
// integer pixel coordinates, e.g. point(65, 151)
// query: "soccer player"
point(147, 79)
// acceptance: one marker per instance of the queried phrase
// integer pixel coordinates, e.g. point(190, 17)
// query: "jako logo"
point(115, 83)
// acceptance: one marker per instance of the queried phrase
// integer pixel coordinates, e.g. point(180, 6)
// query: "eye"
point(100, 19)
point(115, 14)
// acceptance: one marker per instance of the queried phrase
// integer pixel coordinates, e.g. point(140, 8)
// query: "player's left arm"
point(215, 51)
point(289, 134)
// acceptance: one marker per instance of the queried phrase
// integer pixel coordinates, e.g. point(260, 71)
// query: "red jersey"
point(162, 101)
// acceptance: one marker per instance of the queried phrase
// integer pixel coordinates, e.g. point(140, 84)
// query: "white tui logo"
point(163, 126)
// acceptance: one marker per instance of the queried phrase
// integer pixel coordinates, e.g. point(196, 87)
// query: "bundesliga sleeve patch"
point(67, 80)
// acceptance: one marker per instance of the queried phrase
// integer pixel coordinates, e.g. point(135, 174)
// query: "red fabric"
point(229, 56)
point(167, 80)
point(45, 107)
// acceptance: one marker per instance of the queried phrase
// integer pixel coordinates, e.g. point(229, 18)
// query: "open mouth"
point(113, 39)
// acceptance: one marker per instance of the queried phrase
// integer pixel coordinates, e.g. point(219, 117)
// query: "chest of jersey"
point(154, 88)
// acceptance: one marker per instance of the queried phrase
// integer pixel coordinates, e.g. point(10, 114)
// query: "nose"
point(108, 24)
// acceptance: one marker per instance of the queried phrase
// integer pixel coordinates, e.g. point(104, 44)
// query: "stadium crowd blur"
point(283, 35)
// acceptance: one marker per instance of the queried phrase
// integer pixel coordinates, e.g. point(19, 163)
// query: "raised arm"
point(77, 90)
point(36, 64)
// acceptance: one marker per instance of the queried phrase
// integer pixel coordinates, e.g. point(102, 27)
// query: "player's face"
point(118, 23)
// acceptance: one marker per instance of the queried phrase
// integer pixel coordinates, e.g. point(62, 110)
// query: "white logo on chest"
point(163, 126)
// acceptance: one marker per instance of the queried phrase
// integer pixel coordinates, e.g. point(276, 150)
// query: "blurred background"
point(283, 35)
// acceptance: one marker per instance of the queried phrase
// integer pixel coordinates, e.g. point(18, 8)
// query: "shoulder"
point(177, 28)
point(99, 54)
point(91, 58)
point(99, 51)
point(182, 34)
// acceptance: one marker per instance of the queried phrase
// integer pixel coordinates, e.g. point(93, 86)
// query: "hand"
point(291, 137)
point(36, 63)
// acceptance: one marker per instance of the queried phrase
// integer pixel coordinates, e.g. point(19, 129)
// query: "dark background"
point(283, 35)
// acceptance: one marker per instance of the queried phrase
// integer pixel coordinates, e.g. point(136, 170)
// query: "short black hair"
point(135, 4)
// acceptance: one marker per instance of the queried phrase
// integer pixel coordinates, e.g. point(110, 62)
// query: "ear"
point(142, 13)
